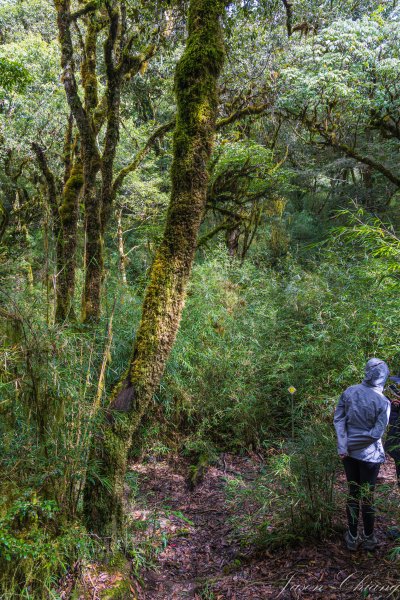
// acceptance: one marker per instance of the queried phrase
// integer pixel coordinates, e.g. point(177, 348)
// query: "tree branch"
point(167, 127)
point(90, 7)
point(334, 142)
point(386, 125)
point(156, 135)
point(69, 80)
point(131, 65)
point(255, 109)
point(366, 160)
point(208, 236)
point(49, 178)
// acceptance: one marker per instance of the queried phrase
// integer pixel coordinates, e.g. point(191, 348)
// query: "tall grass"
point(248, 333)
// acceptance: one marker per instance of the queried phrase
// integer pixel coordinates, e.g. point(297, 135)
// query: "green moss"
point(122, 588)
point(195, 86)
point(196, 92)
point(68, 212)
point(120, 591)
point(88, 70)
point(71, 192)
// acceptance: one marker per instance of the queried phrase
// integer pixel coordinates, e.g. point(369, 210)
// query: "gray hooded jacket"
point(362, 415)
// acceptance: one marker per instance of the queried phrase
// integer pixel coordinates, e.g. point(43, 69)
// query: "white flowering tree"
point(343, 85)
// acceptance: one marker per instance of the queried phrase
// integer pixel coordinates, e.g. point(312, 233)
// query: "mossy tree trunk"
point(91, 114)
point(69, 214)
point(93, 243)
point(123, 259)
point(64, 208)
point(196, 94)
point(82, 112)
point(91, 167)
point(53, 195)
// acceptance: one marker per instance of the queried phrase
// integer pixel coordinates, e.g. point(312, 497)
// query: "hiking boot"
point(352, 542)
point(369, 542)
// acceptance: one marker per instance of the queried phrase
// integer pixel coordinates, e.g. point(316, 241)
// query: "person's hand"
point(342, 456)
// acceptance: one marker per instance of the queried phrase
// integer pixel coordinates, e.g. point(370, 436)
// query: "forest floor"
point(199, 556)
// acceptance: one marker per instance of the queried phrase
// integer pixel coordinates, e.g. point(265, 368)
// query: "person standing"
point(360, 420)
point(392, 444)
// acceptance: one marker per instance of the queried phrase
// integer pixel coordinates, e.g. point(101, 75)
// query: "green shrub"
point(249, 332)
point(294, 499)
point(37, 547)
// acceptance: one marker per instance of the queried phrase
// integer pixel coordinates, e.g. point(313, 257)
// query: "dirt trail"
point(201, 560)
point(200, 548)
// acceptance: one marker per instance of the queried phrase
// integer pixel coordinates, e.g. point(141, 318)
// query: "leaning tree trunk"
point(196, 79)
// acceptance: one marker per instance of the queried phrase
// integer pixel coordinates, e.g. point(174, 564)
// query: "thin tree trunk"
point(289, 16)
point(196, 94)
point(54, 209)
point(69, 212)
point(94, 245)
point(5, 219)
point(232, 239)
point(113, 100)
point(121, 250)
point(91, 157)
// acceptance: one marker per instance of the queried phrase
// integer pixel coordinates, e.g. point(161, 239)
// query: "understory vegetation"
point(248, 333)
point(269, 221)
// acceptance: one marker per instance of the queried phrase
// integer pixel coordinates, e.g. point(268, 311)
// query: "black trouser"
point(392, 445)
point(361, 477)
point(394, 451)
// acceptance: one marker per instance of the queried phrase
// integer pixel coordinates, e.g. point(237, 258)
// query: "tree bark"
point(90, 115)
point(51, 184)
point(232, 239)
point(289, 16)
point(69, 213)
point(122, 256)
point(93, 242)
point(65, 212)
point(91, 157)
point(196, 79)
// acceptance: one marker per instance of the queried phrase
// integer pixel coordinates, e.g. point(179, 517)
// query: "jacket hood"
point(376, 373)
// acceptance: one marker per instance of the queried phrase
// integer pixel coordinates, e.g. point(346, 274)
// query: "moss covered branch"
point(155, 136)
point(50, 179)
point(333, 141)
